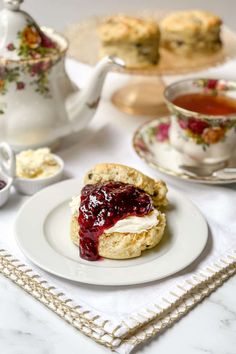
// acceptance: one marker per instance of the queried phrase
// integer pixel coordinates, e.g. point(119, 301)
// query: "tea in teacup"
point(204, 103)
point(203, 118)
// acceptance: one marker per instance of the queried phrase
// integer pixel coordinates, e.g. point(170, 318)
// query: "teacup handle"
point(7, 160)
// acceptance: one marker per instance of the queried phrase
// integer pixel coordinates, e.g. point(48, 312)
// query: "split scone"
point(135, 40)
point(189, 31)
point(116, 215)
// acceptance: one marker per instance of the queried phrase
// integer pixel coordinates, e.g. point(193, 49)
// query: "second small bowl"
point(27, 186)
point(5, 191)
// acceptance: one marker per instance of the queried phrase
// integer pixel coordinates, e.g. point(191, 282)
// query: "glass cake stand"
point(143, 93)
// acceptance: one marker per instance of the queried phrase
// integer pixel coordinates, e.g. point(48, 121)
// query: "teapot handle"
point(7, 160)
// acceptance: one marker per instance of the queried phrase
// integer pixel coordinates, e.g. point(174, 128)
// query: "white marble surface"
point(27, 327)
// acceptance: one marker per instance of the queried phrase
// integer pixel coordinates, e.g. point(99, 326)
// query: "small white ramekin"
point(29, 186)
point(5, 192)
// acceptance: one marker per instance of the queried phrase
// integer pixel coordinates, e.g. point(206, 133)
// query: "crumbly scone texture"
point(128, 29)
point(124, 245)
point(135, 56)
point(183, 31)
point(135, 40)
point(105, 172)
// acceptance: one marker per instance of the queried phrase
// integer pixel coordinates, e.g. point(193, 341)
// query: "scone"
point(132, 39)
point(104, 172)
point(116, 217)
point(191, 31)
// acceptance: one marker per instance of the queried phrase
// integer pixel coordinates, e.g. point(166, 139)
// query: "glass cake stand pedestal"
point(141, 96)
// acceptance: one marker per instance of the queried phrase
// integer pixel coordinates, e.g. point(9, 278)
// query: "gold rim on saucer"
point(151, 143)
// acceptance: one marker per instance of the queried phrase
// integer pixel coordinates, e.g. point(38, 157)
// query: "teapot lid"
point(20, 36)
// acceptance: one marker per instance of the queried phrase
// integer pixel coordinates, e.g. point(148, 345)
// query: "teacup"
point(206, 138)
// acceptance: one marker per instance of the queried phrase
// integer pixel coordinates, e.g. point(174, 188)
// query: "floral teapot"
point(38, 102)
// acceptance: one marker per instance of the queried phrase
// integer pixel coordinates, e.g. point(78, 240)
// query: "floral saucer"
point(151, 143)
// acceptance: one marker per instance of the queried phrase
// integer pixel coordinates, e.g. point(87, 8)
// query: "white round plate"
point(42, 231)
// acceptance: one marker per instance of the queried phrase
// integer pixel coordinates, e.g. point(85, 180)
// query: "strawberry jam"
point(101, 206)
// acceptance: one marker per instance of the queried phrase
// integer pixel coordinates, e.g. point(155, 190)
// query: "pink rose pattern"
point(196, 126)
point(34, 44)
point(162, 132)
point(20, 85)
point(158, 132)
point(202, 131)
point(38, 71)
point(212, 85)
point(10, 47)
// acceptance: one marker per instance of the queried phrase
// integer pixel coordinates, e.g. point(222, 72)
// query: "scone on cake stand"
point(134, 39)
point(153, 44)
point(192, 31)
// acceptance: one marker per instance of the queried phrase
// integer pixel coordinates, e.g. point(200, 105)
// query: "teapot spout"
point(82, 105)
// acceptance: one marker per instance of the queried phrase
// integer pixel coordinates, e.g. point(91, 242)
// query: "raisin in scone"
point(114, 216)
point(191, 31)
point(135, 40)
